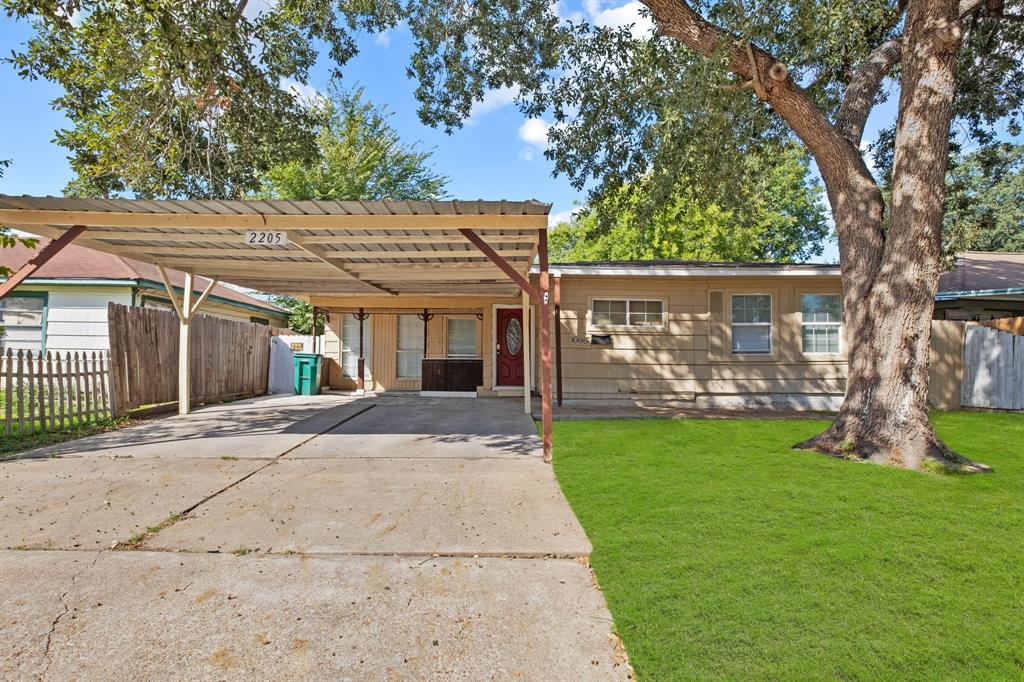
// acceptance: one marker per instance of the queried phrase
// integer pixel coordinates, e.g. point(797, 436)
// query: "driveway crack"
point(66, 610)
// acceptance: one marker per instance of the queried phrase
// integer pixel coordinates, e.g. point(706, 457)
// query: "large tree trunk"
point(890, 274)
point(884, 417)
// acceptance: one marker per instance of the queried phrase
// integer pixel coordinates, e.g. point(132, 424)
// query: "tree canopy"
point(360, 155)
point(985, 200)
point(779, 217)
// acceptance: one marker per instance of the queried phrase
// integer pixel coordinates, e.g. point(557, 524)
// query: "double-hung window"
point(23, 322)
point(751, 324)
point(350, 345)
point(627, 313)
point(461, 337)
point(821, 319)
point(410, 347)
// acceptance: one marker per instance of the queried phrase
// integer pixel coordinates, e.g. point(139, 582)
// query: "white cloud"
point(304, 92)
point(619, 16)
point(526, 154)
point(383, 39)
point(535, 132)
point(561, 11)
point(865, 152)
point(493, 100)
point(254, 8)
point(561, 217)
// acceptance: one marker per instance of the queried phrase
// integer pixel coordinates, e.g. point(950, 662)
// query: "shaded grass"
point(725, 554)
point(19, 442)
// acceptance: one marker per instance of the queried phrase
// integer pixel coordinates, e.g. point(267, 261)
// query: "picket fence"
point(51, 391)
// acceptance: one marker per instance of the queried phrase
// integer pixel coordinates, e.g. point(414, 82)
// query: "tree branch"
point(867, 80)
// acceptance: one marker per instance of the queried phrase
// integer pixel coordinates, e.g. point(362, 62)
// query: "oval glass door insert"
point(514, 336)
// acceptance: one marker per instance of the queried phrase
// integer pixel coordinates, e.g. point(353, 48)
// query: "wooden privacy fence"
point(52, 391)
point(229, 360)
point(977, 364)
point(993, 369)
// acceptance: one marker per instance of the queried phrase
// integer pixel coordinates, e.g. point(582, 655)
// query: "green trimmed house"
point(63, 306)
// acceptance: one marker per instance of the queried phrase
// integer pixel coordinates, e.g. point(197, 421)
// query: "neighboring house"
point(983, 286)
point(63, 306)
point(714, 334)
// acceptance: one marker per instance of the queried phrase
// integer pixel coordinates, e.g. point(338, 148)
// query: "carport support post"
point(545, 342)
point(184, 317)
point(527, 353)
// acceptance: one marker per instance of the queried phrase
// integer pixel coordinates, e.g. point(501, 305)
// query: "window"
point(627, 313)
point(751, 324)
point(23, 320)
point(350, 346)
point(461, 338)
point(821, 320)
point(410, 347)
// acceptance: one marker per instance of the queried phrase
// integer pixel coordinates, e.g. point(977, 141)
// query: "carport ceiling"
point(344, 247)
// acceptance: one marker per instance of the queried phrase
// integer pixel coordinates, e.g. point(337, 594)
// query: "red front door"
point(510, 347)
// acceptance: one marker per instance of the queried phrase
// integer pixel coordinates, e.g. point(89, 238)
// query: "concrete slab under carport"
point(142, 615)
point(414, 426)
point(91, 502)
point(260, 428)
point(460, 506)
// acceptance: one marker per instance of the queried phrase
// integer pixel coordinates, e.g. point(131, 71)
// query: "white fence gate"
point(993, 372)
point(282, 366)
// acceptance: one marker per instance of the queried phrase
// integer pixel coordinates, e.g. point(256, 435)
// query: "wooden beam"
point(504, 265)
point(257, 221)
point(170, 292)
point(322, 255)
point(299, 252)
point(39, 260)
point(237, 237)
point(184, 364)
point(202, 297)
point(545, 344)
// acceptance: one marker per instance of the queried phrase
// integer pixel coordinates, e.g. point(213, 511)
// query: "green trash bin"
point(307, 373)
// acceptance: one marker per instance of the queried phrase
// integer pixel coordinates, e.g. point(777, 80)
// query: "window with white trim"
point(21, 317)
point(350, 345)
point(821, 319)
point(409, 362)
point(461, 337)
point(614, 312)
point(751, 324)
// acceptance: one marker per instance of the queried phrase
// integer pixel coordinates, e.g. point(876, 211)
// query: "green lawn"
point(724, 554)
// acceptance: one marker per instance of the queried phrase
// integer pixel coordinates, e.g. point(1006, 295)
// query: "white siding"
point(77, 317)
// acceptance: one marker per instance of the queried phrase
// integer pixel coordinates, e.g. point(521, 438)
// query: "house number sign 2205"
point(266, 238)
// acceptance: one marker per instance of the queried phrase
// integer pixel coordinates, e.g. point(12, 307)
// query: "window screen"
point(821, 320)
point(350, 345)
point(22, 320)
point(623, 313)
point(751, 324)
point(410, 347)
point(461, 338)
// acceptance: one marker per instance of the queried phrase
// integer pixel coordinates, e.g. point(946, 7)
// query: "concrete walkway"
point(297, 538)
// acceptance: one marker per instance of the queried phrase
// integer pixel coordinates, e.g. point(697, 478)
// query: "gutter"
point(150, 284)
point(978, 293)
point(691, 271)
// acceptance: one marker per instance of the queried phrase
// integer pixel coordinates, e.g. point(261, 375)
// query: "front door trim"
point(494, 351)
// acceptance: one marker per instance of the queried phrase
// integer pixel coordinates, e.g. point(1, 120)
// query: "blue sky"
point(498, 154)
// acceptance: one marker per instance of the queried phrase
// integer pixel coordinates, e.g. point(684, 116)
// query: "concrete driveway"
point(292, 538)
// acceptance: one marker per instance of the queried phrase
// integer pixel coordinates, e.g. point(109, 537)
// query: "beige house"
point(713, 334)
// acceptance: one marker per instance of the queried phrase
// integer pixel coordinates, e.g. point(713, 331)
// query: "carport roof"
point(343, 247)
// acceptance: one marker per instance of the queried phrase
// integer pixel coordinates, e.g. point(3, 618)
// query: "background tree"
point(180, 98)
point(985, 201)
point(779, 217)
point(360, 156)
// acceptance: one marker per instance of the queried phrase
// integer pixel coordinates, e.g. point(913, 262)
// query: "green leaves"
point(359, 156)
point(778, 217)
point(985, 201)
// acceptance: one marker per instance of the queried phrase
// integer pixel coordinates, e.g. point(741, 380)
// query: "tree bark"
point(890, 276)
point(884, 417)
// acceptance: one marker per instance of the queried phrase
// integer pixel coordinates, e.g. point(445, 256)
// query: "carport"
point(381, 248)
